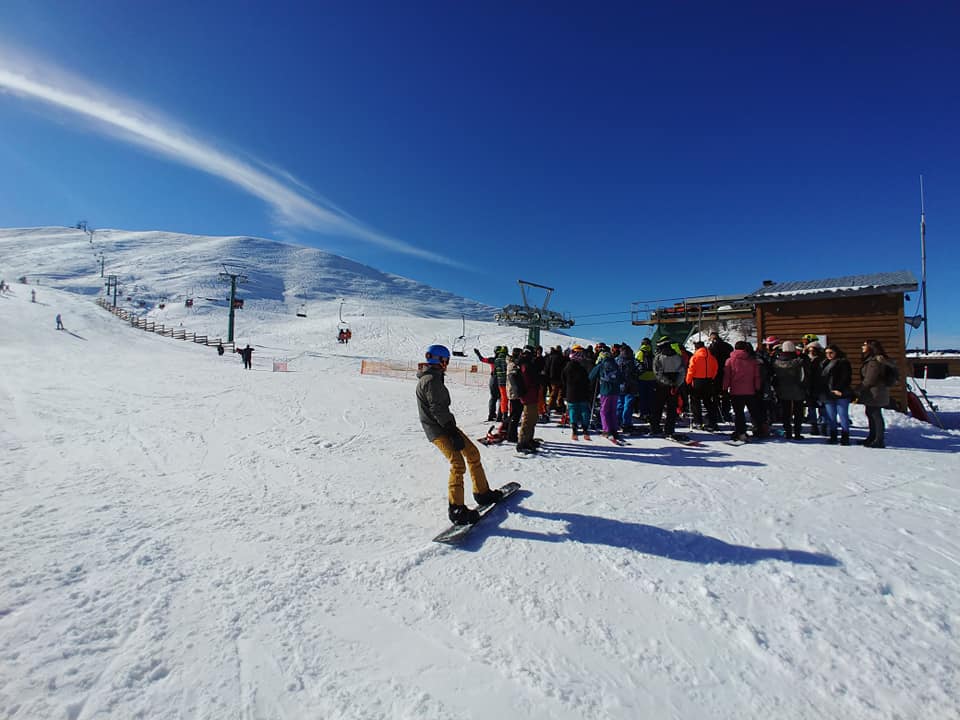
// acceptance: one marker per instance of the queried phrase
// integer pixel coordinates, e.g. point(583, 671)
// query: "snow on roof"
point(875, 284)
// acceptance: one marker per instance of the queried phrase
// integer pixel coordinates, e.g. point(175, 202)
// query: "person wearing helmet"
point(440, 427)
point(670, 374)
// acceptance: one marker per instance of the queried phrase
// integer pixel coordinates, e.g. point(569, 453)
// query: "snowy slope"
point(181, 538)
point(153, 266)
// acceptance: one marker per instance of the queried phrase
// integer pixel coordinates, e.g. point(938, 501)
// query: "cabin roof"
point(900, 281)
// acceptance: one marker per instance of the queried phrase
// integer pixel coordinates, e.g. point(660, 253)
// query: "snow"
point(180, 537)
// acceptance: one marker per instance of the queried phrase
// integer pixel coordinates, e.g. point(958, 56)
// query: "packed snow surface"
point(183, 538)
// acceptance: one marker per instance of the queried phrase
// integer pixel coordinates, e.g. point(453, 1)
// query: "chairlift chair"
point(458, 346)
point(302, 312)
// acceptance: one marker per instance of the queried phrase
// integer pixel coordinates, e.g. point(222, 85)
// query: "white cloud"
point(295, 205)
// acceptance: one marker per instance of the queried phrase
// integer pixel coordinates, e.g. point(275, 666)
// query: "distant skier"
point(247, 355)
point(59, 322)
point(33, 296)
point(440, 427)
point(220, 349)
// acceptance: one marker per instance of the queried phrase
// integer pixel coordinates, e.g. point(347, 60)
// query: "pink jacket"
point(741, 374)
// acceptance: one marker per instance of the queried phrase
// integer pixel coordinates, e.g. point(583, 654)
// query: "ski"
point(683, 440)
point(456, 533)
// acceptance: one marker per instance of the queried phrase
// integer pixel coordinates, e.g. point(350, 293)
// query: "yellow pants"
point(458, 467)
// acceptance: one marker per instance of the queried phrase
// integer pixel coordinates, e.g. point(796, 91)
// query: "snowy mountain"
point(159, 266)
point(183, 538)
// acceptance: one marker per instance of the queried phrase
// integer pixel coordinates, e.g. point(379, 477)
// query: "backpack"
point(891, 374)
point(610, 372)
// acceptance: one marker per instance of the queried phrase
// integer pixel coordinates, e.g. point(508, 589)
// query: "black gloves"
point(456, 438)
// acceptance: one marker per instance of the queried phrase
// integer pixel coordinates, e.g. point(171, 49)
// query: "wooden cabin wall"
point(845, 321)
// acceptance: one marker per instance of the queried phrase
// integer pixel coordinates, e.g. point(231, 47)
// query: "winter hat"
point(577, 348)
point(772, 340)
point(789, 346)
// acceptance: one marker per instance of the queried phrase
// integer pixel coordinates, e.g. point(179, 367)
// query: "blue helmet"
point(436, 353)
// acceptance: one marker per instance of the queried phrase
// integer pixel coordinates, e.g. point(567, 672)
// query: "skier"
point(610, 378)
point(576, 393)
point(247, 355)
point(33, 296)
point(701, 379)
point(669, 371)
point(791, 380)
point(220, 349)
point(440, 427)
point(742, 382)
point(59, 322)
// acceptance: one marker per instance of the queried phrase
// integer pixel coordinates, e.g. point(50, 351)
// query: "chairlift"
point(302, 312)
point(459, 345)
point(188, 302)
point(343, 328)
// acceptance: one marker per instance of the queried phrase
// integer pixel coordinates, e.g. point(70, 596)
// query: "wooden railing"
point(177, 333)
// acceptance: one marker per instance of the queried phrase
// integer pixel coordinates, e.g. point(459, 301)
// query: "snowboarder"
point(440, 427)
point(59, 322)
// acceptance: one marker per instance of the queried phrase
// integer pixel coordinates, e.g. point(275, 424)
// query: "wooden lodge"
point(845, 311)
point(935, 365)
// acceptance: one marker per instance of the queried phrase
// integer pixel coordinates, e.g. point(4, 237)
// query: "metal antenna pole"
point(923, 268)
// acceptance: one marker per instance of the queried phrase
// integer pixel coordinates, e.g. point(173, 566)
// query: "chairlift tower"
point(531, 317)
point(234, 277)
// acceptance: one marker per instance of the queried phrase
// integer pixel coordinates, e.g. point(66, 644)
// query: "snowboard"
point(456, 533)
point(735, 443)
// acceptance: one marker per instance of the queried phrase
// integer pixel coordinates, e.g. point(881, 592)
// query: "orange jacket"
point(702, 365)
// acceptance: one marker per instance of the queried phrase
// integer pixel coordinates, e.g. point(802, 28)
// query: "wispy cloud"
point(295, 204)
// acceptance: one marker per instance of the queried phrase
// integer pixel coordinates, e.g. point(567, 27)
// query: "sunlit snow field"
point(183, 538)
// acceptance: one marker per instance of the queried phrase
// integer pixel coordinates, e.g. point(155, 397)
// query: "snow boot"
point(490, 497)
point(462, 515)
point(844, 438)
point(833, 438)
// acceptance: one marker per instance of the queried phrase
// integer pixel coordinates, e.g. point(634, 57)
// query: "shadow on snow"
point(674, 454)
point(680, 545)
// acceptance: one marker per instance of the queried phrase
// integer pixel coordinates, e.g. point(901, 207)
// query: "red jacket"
point(741, 374)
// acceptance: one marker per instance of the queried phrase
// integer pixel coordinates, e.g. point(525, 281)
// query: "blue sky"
point(617, 151)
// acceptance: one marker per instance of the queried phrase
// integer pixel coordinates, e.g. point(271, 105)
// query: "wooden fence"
point(177, 333)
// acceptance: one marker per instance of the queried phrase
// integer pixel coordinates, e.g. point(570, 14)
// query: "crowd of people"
point(619, 391)
point(799, 386)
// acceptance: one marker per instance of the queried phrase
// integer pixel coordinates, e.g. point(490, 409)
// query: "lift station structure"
point(532, 317)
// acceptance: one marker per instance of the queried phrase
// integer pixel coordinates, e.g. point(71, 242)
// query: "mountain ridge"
point(154, 265)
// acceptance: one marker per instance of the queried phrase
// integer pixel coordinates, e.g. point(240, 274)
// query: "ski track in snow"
point(185, 539)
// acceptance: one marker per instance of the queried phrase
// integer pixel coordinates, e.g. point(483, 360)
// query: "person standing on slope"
point(670, 373)
point(493, 384)
point(440, 427)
